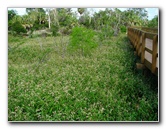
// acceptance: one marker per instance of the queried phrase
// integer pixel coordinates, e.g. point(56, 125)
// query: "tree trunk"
point(116, 30)
point(40, 19)
point(49, 20)
point(56, 16)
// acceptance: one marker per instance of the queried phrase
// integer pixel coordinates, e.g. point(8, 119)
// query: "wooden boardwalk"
point(146, 45)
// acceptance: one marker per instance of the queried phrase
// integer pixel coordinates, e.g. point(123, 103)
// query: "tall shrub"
point(54, 30)
point(18, 28)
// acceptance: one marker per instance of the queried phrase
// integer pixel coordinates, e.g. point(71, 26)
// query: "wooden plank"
point(139, 43)
point(140, 66)
point(148, 56)
point(141, 37)
point(148, 50)
point(150, 35)
point(148, 64)
point(148, 43)
point(139, 52)
point(154, 54)
point(143, 48)
point(138, 48)
point(157, 63)
point(152, 30)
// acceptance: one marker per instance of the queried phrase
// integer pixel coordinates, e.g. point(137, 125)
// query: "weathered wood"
point(148, 56)
point(157, 62)
point(147, 64)
point(140, 66)
point(154, 54)
point(149, 35)
point(139, 43)
point(143, 48)
point(148, 50)
point(152, 30)
point(146, 46)
point(148, 43)
point(139, 51)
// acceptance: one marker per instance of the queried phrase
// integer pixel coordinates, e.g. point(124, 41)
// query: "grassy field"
point(47, 83)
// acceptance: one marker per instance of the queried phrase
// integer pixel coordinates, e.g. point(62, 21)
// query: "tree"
point(135, 17)
point(53, 14)
point(11, 14)
point(107, 21)
point(154, 22)
point(66, 17)
point(37, 17)
point(53, 23)
point(116, 20)
point(85, 19)
point(18, 28)
point(30, 10)
point(17, 18)
point(81, 10)
point(61, 19)
point(41, 15)
point(49, 19)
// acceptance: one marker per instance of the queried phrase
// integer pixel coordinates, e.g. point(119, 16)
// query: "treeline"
point(111, 21)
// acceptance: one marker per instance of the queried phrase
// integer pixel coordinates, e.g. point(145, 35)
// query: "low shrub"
point(54, 30)
point(106, 32)
point(82, 40)
point(123, 29)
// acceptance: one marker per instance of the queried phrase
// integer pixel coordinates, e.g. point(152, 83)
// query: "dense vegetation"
point(77, 69)
point(62, 20)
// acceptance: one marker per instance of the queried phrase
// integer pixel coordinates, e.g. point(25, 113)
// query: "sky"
point(151, 11)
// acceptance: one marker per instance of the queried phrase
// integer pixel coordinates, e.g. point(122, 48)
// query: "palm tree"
point(81, 10)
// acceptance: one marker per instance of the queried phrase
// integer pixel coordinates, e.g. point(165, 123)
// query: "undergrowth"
point(48, 84)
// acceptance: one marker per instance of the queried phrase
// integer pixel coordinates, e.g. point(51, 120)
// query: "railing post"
point(135, 39)
point(138, 43)
point(128, 32)
point(154, 53)
point(138, 39)
point(143, 48)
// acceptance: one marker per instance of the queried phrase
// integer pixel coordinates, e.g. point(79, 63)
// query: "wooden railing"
point(146, 29)
point(146, 45)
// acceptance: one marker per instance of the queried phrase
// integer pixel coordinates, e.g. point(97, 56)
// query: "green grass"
point(46, 83)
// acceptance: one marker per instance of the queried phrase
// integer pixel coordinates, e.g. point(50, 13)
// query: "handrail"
point(146, 29)
point(146, 45)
